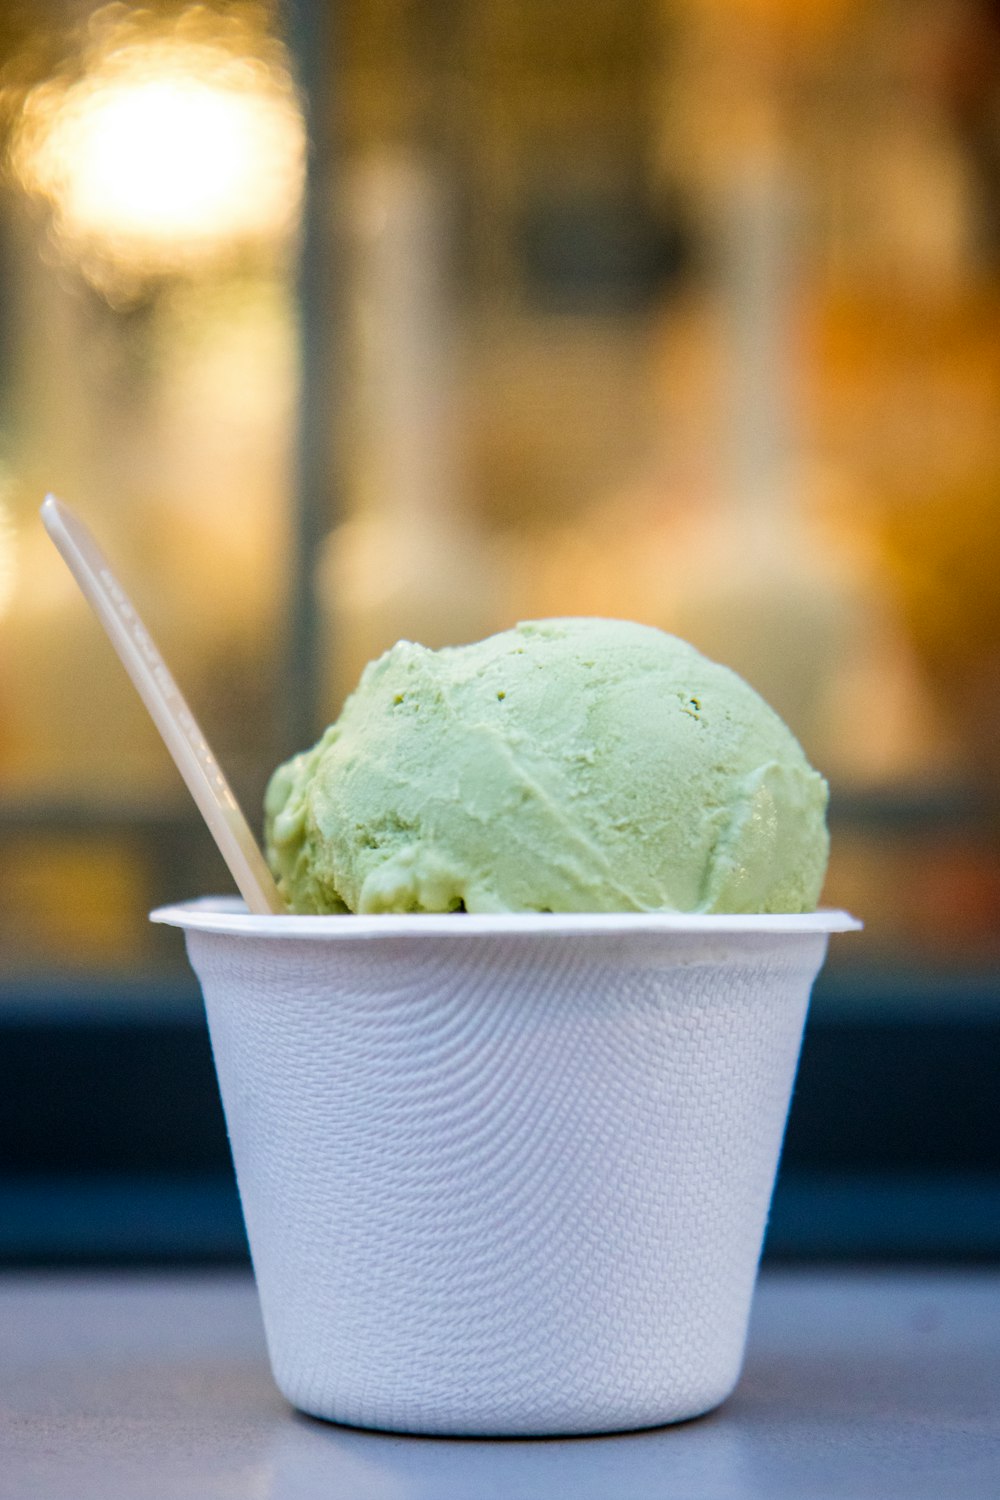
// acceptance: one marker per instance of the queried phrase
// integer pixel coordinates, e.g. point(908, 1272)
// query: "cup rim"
point(228, 916)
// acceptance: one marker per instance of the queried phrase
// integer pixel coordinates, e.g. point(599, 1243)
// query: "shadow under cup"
point(505, 1175)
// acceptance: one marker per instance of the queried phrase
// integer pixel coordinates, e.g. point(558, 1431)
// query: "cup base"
point(545, 1421)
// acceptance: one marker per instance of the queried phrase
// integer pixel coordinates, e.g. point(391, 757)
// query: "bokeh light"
point(172, 147)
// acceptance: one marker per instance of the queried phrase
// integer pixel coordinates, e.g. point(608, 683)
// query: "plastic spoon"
point(162, 697)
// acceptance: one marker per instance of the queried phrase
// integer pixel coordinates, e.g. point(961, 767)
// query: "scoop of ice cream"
point(566, 765)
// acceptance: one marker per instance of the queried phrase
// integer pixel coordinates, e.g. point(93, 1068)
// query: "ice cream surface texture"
point(567, 765)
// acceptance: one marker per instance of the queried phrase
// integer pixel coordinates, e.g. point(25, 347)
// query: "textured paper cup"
point(505, 1175)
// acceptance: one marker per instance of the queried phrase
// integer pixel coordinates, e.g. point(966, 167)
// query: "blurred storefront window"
point(683, 311)
point(154, 175)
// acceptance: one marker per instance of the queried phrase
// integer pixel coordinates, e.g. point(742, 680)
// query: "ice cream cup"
point(505, 1175)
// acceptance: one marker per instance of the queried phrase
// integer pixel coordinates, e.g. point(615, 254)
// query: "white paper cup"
point(505, 1175)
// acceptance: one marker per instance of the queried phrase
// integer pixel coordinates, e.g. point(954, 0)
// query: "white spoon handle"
point(171, 715)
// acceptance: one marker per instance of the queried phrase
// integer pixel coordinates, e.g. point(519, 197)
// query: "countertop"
point(156, 1387)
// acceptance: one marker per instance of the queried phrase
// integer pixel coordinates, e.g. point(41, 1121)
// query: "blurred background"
point(342, 323)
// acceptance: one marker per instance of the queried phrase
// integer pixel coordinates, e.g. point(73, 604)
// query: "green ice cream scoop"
point(566, 765)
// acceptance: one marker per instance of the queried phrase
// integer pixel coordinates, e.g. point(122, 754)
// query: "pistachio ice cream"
point(566, 765)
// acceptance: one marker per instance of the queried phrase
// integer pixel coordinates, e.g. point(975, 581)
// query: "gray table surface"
point(881, 1384)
